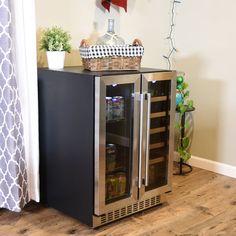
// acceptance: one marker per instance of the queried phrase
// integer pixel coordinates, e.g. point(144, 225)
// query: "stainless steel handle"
point(140, 142)
point(148, 96)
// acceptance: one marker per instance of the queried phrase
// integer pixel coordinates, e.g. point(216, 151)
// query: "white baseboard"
point(214, 166)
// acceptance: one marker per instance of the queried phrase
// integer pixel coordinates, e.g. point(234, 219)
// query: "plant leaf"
point(182, 108)
point(55, 39)
point(185, 142)
point(186, 126)
point(177, 125)
point(186, 94)
point(184, 86)
point(190, 103)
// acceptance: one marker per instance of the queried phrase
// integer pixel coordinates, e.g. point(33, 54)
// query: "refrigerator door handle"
point(140, 141)
point(148, 97)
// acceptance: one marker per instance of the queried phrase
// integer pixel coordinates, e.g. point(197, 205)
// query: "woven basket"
point(112, 62)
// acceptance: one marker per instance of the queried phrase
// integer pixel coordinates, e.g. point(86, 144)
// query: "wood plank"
point(156, 145)
point(156, 160)
point(201, 203)
point(158, 114)
point(158, 99)
point(157, 130)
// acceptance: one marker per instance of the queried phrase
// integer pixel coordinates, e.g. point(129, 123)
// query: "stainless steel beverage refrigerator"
point(132, 140)
point(134, 117)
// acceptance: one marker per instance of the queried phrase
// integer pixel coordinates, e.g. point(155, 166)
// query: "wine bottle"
point(110, 38)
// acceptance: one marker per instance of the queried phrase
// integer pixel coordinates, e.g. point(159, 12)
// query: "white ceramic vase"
point(56, 59)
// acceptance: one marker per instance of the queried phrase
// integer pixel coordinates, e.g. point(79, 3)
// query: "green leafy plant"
point(55, 39)
point(183, 105)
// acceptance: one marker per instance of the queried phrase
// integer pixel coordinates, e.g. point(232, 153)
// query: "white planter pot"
point(56, 59)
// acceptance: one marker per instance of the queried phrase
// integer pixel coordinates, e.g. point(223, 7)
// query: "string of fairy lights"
point(170, 36)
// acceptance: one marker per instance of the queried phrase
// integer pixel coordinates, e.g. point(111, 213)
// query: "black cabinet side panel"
point(66, 111)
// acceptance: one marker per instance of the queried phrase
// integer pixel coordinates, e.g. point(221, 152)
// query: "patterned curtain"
point(13, 175)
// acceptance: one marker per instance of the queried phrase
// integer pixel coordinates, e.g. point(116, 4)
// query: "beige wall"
point(205, 37)
point(147, 20)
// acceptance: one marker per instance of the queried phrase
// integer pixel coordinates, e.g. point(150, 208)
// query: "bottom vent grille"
point(141, 205)
point(110, 216)
point(128, 210)
point(135, 207)
point(153, 201)
point(103, 219)
point(117, 214)
point(123, 211)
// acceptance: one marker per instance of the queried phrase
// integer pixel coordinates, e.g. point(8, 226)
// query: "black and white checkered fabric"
point(100, 51)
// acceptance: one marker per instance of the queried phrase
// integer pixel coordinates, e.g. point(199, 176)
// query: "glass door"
point(119, 135)
point(116, 126)
point(159, 133)
point(158, 138)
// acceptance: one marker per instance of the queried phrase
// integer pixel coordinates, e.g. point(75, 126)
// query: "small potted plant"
point(55, 41)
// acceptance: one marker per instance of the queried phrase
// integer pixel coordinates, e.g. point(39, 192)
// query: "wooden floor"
point(202, 203)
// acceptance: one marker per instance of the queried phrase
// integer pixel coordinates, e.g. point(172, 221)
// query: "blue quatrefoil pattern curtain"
point(13, 175)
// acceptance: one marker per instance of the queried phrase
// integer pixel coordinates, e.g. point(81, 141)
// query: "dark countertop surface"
point(80, 70)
